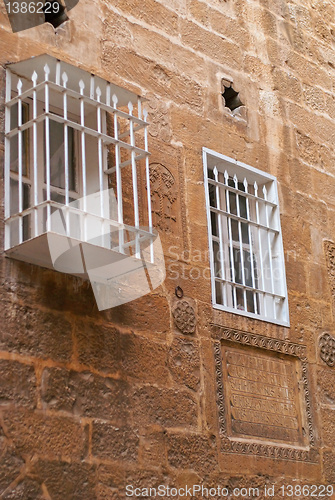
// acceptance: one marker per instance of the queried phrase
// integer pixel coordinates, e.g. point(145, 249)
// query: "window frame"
point(266, 252)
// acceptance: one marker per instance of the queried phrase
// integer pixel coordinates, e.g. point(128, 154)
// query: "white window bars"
point(70, 134)
point(245, 242)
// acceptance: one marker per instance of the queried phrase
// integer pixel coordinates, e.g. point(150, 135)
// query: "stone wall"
point(92, 401)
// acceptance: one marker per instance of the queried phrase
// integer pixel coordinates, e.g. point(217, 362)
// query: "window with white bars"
point(70, 134)
point(245, 242)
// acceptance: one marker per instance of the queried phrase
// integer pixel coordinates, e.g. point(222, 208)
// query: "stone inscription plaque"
point(262, 396)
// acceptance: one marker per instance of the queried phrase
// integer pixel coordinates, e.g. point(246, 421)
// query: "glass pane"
point(57, 155)
point(214, 222)
point(217, 259)
point(14, 141)
point(14, 196)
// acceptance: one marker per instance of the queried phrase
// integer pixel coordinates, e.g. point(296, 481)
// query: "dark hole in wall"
point(54, 13)
point(231, 97)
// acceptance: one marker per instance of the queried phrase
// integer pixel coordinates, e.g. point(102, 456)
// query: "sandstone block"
point(192, 452)
point(328, 464)
point(164, 407)
point(22, 393)
point(62, 480)
point(36, 433)
point(10, 468)
point(98, 346)
point(143, 359)
point(142, 313)
point(328, 427)
point(85, 394)
point(27, 489)
point(114, 443)
point(35, 333)
point(326, 385)
point(184, 363)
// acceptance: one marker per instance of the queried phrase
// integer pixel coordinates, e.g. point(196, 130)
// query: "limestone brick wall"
point(93, 401)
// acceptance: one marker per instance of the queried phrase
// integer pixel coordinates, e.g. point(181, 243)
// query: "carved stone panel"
point(263, 396)
point(327, 349)
point(184, 317)
point(163, 197)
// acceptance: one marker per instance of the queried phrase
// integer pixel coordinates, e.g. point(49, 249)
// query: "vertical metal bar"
point(139, 108)
point(108, 94)
point(253, 280)
point(147, 175)
point(58, 72)
point(92, 87)
point(270, 250)
point(19, 121)
point(118, 177)
point(240, 241)
point(260, 249)
point(218, 206)
point(47, 145)
point(83, 151)
point(232, 267)
point(134, 177)
point(7, 159)
point(35, 155)
point(66, 154)
point(100, 159)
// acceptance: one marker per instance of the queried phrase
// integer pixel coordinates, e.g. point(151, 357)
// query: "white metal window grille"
point(69, 134)
point(245, 242)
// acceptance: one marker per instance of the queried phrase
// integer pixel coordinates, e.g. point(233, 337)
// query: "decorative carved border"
point(276, 345)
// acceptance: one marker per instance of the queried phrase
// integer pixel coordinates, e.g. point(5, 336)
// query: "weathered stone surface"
point(28, 489)
point(192, 452)
point(328, 427)
point(114, 443)
point(85, 394)
point(329, 459)
point(143, 359)
point(36, 333)
point(153, 447)
point(98, 346)
point(11, 465)
point(184, 362)
point(81, 387)
point(35, 432)
point(144, 312)
point(326, 385)
point(166, 407)
point(24, 393)
point(62, 480)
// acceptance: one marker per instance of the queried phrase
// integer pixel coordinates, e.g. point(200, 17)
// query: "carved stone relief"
point(330, 258)
point(163, 197)
point(327, 349)
point(184, 317)
point(263, 396)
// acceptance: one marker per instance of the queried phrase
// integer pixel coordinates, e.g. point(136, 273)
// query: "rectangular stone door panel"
point(263, 397)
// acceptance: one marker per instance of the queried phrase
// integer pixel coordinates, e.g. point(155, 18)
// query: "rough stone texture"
point(85, 394)
point(192, 452)
point(166, 407)
point(326, 385)
point(57, 479)
point(10, 468)
point(114, 443)
point(35, 432)
point(24, 393)
point(35, 333)
point(89, 400)
point(184, 363)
